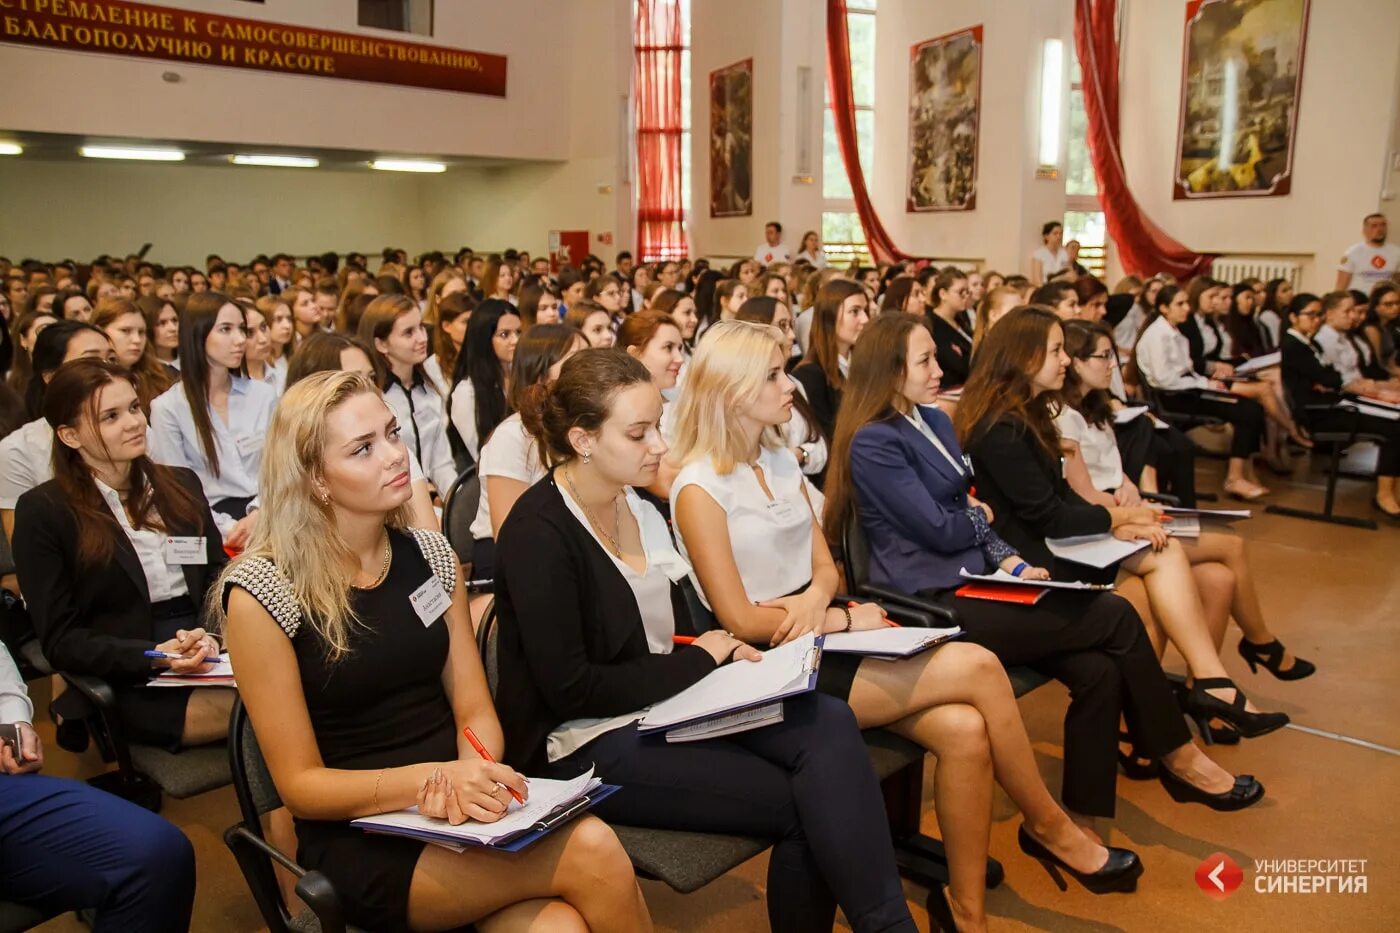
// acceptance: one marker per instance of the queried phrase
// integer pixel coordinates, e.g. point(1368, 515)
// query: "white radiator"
point(1232, 269)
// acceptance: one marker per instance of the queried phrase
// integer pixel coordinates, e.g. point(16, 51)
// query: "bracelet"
point(1019, 569)
point(378, 778)
point(847, 611)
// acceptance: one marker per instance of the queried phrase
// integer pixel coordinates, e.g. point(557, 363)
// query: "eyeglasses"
point(1309, 314)
point(1105, 356)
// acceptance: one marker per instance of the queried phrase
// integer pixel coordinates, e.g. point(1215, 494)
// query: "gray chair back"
point(459, 511)
point(488, 644)
point(857, 553)
point(252, 782)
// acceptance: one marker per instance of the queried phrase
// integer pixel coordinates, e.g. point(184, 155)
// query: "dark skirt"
point(156, 715)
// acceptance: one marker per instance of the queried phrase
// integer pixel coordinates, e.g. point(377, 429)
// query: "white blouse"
point(164, 580)
point(239, 441)
point(26, 460)
point(1098, 445)
point(771, 538)
point(463, 412)
point(511, 452)
point(1339, 353)
point(1164, 357)
point(424, 425)
point(652, 590)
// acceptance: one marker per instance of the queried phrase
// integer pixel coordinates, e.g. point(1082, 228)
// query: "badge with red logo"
point(1219, 876)
point(1377, 262)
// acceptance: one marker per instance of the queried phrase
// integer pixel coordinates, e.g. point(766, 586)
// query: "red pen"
point(481, 750)
point(683, 639)
point(888, 621)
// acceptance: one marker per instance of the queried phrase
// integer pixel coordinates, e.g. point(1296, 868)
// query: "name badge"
point(430, 601)
point(185, 550)
point(782, 511)
point(249, 444)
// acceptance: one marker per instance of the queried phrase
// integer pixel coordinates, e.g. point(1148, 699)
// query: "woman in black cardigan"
point(584, 587)
point(118, 555)
point(840, 314)
point(1311, 383)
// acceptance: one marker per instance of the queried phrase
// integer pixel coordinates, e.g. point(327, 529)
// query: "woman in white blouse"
point(745, 522)
point(1094, 469)
point(1051, 257)
point(393, 327)
point(510, 459)
point(258, 364)
point(482, 373)
point(812, 251)
point(213, 420)
point(1163, 359)
point(801, 434)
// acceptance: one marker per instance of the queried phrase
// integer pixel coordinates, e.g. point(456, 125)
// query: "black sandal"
point(1271, 657)
point(1201, 706)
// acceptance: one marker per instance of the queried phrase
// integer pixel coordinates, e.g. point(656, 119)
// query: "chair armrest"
point(894, 600)
point(240, 835)
point(1162, 497)
point(95, 689)
point(904, 615)
point(316, 892)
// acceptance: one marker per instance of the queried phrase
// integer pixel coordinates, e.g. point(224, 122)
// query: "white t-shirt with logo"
point(770, 254)
point(1370, 265)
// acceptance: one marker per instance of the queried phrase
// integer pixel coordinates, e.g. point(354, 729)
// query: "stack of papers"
point(1001, 576)
point(1092, 550)
point(1259, 363)
point(548, 805)
point(1184, 526)
point(1129, 413)
point(220, 676)
point(1224, 515)
point(734, 723)
point(889, 643)
point(784, 671)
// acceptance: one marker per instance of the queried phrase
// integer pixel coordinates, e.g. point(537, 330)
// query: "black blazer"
point(1191, 330)
point(1307, 380)
point(1028, 494)
point(954, 350)
point(825, 400)
point(97, 620)
point(571, 643)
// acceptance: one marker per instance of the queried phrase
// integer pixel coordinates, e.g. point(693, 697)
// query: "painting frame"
point(1198, 177)
point(941, 119)
point(731, 140)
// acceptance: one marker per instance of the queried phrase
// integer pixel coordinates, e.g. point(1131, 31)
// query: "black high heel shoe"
point(1271, 657)
point(1215, 732)
point(1201, 706)
point(1119, 873)
point(1135, 767)
point(1246, 792)
point(940, 915)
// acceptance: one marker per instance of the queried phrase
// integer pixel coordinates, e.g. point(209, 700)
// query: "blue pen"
point(172, 657)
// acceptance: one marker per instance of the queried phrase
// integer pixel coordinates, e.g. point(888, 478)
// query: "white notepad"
point(1129, 413)
point(731, 724)
point(220, 676)
point(784, 671)
point(1001, 576)
point(889, 642)
point(1219, 514)
point(1093, 550)
point(1259, 363)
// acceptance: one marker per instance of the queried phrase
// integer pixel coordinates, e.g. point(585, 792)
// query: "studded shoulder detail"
point(439, 555)
point(269, 587)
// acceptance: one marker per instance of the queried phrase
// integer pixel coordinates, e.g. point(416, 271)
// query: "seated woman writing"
point(586, 645)
point(745, 517)
point(118, 555)
point(360, 690)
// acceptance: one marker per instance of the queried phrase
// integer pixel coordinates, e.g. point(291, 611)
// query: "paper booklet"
point(1376, 409)
point(1093, 550)
point(550, 804)
point(1184, 526)
point(889, 643)
point(1217, 514)
point(784, 671)
point(1259, 363)
point(733, 724)
point(1129, 413)
point(1001, 576)
point(220, 676)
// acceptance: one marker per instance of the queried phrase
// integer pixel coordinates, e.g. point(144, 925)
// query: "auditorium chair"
point(1336, 442)
point(459, 511)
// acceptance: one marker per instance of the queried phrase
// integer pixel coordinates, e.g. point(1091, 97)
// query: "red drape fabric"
point(843, 112)
point(657, 46)
point(1143, 247)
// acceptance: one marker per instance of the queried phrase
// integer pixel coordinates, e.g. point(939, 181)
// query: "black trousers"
point(805, 783)
point(1167, 450)
point(1095, 645)
point(1340, 419)
point(1245, 415)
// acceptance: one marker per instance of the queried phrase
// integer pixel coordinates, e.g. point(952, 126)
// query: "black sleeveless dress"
point(380, 706)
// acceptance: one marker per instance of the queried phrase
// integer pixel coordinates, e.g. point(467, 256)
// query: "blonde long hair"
point(294, 530)
point(724, 378)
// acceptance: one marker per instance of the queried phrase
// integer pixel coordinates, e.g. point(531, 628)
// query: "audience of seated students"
point(948, 300)
point(539, 304)
point(1273, 312)
point(163, 331)
point(23, 331)
point(681, 307)
point(482, 374)
point(392, 328)
point(584, 650)
point(730, 295)
point(1380, 325)
point(594, 322)
point(745, 517)
point(1094, 470)
point(841, 312)
point(1342, 350)
point(607, 292)
point(995, 303)
point(1127, 329)
point(1004, 421)
point(801, 434)
point(214, 420)
point(449, 281)
point(359, 707)
point(26, 454)
point(1249, 338)
point(118, 556)
point(1315, 389)
point(306, 313)
point(1163, 360)
point(281, 334)
point(449, 330)
point(257, 358)
point(65, 845)
point(498, 281)
point(902, 475)
point(125, 325)
point(904, 294)
point(1371, 365)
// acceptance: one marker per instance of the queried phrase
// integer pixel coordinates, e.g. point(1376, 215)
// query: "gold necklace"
point(383, 570)
point(597, 525)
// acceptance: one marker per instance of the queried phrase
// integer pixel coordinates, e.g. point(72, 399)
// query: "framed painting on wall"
point(1241, 82)
point(731, 140)
point(945, 99)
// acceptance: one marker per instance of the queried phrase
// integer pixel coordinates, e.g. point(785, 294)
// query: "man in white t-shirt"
point(772, 249)
point(1370, 262)
point(1051, 257)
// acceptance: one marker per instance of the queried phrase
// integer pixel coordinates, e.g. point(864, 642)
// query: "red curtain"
point(657, 45)
point(843, 112)
point(1143, 247)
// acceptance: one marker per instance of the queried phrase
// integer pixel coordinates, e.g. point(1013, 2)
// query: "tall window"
point(841, 231)
point(661, 117)
point(1084, 219)
point(399, 15)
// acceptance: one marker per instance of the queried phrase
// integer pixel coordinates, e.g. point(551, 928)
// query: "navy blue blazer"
point(912, 505)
